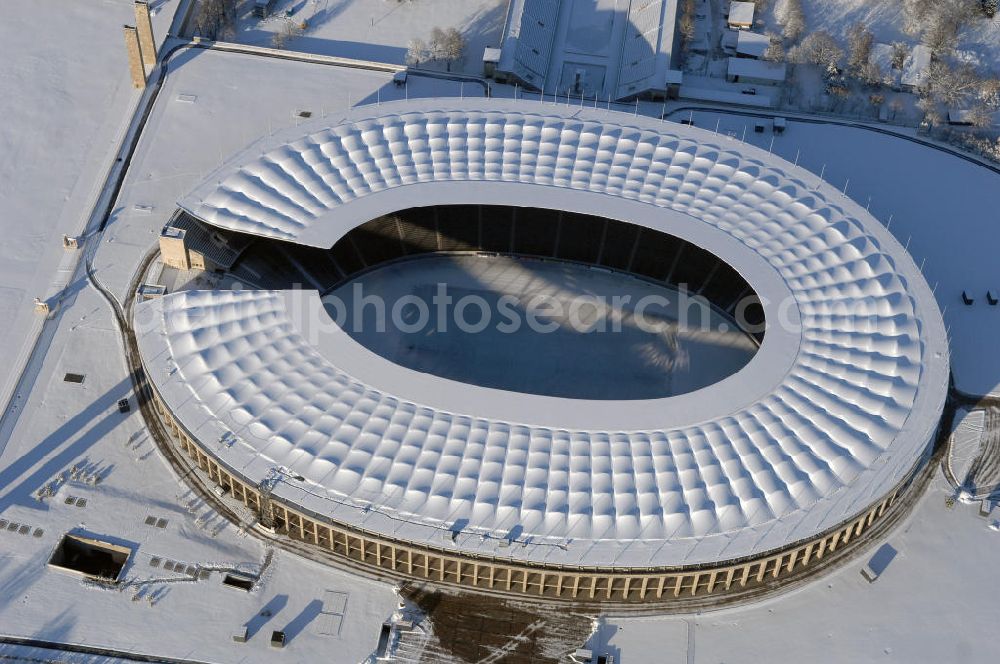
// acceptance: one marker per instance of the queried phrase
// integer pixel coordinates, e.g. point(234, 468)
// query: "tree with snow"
point(416, 52)
point(792, 20)
point(775, 51)
point(686, 24)
point(956, 86)
point(818, 48)
point(446, 45)
point(939, 23)
point(859, 50)
point(216, 18)
point(900, 51)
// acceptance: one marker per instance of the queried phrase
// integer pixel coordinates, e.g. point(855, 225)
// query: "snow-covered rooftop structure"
point(915, 67)
point(882, 57)
point(752, 44)
point(602, 48)
point(740, 14)
point(746, 70)
point(834, 410)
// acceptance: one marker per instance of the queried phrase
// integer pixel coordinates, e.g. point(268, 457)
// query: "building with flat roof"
point(751, 44)
point(746, 70)
point(740, 15)
point(601, 49)
point(916, 68)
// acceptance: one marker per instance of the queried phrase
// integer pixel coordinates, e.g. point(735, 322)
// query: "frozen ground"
point(69, 424)
point(66, 102)
point(597, 351)
point(379, 30)
point(942, 207)
point(933, 603)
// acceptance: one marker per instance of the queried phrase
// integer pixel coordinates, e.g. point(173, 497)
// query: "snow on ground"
point(378, 30)
point(935, 602)
point(68, 424)
point(885, 20)
point(965, 441)
point(933, 587)
point(941, 206)
point(66, 102)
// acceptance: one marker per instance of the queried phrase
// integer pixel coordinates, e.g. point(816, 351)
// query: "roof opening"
point(74, 378)
point(91, 558)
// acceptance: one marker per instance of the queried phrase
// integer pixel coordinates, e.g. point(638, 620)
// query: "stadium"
point(781, 432)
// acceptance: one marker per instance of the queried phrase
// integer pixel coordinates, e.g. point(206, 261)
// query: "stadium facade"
point(747, 481)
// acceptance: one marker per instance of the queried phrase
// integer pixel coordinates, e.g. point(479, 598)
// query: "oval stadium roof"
point(835, 409)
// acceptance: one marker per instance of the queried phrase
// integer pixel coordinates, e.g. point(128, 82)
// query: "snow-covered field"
point(933, 603)
point(59, 134)
point(66, 102)
point(589, 356)
point(378, 30)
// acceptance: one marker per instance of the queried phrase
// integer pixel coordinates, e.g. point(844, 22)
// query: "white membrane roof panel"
point(835, 409)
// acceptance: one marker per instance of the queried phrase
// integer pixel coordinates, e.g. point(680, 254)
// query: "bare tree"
point(900, 51)
point(955, 86)
point(941, 34)
point(915, 15)
point(775, 51)
point(454, 45)
point(686, 24)
point(818, 48)
point(416, 52)
point(285, 34)
point(859, 50)
point(792, 20)
point(980, 115)
point(216, 18)
point(435, 46)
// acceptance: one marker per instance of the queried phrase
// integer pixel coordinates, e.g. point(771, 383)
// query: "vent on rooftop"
point(74, 378)
point(303, 114)
point(237, 581)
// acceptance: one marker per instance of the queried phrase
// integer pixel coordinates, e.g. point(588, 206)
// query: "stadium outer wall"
point(424, 563)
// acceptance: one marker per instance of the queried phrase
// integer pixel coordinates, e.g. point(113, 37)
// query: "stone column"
point(134, 58)
point(143, 24)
